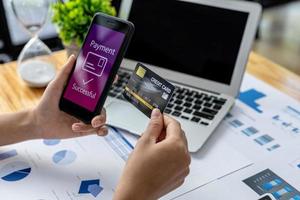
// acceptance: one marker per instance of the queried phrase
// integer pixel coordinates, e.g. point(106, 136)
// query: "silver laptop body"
point(205, 58)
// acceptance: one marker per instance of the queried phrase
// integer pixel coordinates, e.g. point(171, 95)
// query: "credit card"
point(146, 90)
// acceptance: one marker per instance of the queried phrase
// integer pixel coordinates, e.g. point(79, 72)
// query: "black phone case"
point(79, 112)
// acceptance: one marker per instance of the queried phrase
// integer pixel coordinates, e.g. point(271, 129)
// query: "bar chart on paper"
point(250, 98)
point(269, 182)
point(8, 154)
point(263, 119)
point(250, 130)
point(288, 120)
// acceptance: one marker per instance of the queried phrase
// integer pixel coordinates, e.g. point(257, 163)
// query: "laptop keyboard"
point(188, 104)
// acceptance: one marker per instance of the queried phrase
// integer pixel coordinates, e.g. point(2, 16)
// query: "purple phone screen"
point(93, 66)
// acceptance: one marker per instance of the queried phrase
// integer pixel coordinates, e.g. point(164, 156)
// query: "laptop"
point(201, 46)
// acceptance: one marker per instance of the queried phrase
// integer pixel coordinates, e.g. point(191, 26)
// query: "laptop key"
point(170, 105)
point(180, 90)
point(179, 102)
point(112, 94)
point(185, 90)
point(217, 107)
point(219, 102)
point(167, 111)
point(198, 96)
point(206, 98)
point(221, 99)
point(118, 85)
point(120, 96)
point(203, 115)
point(180, 96)
point(195, 119)
point(189, 93)
point(185, 117)
point(210, 111)
point(188, 99)
point(208, 105)
point(204, 123)
point(176, 113)
point(178, 108)
point(118, 90)
point(197, 107)
point(187, 110)
point(198, 102)
point(187, 104)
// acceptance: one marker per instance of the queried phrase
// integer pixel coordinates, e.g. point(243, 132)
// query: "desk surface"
point(15, 95)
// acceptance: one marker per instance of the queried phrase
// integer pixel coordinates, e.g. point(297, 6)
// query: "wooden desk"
point(15, 95)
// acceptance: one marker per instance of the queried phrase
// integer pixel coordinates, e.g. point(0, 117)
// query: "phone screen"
point(93, 66)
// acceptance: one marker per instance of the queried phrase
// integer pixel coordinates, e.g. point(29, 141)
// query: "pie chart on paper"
point(64, 157)
point(15, 171)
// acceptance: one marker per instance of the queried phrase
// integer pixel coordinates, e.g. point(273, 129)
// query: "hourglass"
point(35, 66)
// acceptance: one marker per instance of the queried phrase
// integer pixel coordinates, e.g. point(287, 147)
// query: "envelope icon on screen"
point(94, 64)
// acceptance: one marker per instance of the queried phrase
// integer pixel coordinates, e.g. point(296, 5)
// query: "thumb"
point(155, 125)
point(59, 81)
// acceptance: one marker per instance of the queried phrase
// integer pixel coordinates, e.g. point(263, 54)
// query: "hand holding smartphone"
point(96, 66)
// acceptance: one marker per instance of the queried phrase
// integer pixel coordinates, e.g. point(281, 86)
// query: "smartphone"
point(96, 66)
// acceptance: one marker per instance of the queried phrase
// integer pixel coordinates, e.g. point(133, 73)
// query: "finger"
point(82, 128)
point(172, 126)
point(102, 131)
point(155, 125)
point(59, 81)
point(162, 136)
point(116, 79)
point(184, 138)
point(99, 120)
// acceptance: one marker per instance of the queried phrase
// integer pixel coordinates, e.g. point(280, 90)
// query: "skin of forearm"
point(17, 127)
point(124, 192)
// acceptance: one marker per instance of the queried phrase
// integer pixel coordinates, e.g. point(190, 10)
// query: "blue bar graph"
point(271, 184)
point(250, 97)
point(267, 181)
point(297, 197)
point(283, 191)
point(8, 154)
point(286, 125)
point(236, 123)
point(275, 146)
point(262, 140)
point(250, 131)
point(228, 116)
point(294, 111)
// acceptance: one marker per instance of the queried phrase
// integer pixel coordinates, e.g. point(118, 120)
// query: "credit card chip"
point(141, 72)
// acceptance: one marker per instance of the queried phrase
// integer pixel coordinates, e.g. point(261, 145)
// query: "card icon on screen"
point(94, 64)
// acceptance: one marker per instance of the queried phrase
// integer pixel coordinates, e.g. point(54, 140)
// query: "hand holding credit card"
point(146, 90)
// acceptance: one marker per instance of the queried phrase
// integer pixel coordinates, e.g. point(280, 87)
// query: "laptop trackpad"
point(124, 115)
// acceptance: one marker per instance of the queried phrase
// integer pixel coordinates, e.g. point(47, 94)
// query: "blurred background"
point(278, 37)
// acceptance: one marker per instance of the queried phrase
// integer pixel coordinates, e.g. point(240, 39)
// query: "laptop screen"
point(195, 39)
